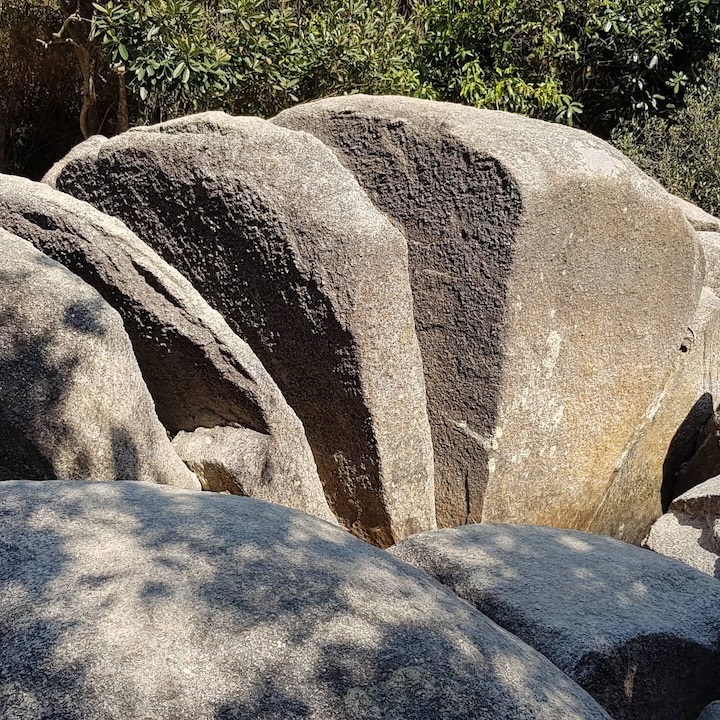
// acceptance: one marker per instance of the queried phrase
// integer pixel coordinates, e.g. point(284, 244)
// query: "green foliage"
point(682, 152)
point(557, 58)
point(503, 54)
point(592, 63)
point(253, 56)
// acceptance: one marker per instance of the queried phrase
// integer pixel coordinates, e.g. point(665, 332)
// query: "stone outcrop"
point(197, 606)
point(198, 371)
point(638, 631)
point(711, 712)
point(690, 532)
point(73, 404)
point(241, 461)
point(553, 285)
point(280, 239)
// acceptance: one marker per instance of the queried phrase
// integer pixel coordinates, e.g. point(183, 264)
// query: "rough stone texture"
point(245, 462)
point(710, 242)
point(558, 279)
point(692, 540)
point(705, 462)
point(198, 371)
point(73, 404)
point(644, 479)
point(711, 712)
point(691, 530)
point(280, 238)
point(133, 601)
point(697, 217)
point(83, 152)
point(639, 631)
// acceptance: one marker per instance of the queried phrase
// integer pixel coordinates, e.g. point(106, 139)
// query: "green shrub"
point(683, 151)
point(254, 56)
point(610, 59)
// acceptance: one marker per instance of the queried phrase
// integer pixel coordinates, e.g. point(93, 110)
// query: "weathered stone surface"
point(198, 371)
point(692, 540)
point(73, 404)
point(697, 217)
point(280, 238)
point(245, 462)
point(83, 152)
point(705, 462)
point(639, 631)
point(134, 601)
point(711, 712)
point(558, 278)
point(690, 532)
point(710, 242)
point(644, 480)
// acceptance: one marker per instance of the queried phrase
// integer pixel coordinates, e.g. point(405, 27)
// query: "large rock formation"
point(553, 286)
point(711, 712)
point(73, 404)
point(198, 371)
point(134, 601)
point(280, 238)
point(640, 632)
point(691, 530)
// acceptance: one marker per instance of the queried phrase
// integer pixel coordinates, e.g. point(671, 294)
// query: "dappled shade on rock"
point(135, 601)
point(639, 631)
point(198, 371)
point(73, 404)
point(281, 240)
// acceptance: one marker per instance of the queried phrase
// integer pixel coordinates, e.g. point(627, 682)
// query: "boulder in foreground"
point(639, 631)
point(134, 601)
point(73, 404)
point(199, 372)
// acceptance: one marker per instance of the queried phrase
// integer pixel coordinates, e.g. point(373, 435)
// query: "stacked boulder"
point(560, 280)
point(640, 632)
point(73, 402)
point(392, 315)
point(690, 531)
point(131, 600)
point(554, 336)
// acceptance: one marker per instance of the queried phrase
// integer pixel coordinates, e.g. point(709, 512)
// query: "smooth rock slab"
point(198, 371)
point(73, 405)
point(639, 631)
point(553, 286)
point(281, 239)
point(690, 531)
point(133, 601)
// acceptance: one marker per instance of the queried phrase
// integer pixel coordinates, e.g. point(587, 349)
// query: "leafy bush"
point(587, 62)
point(609, 59)
point(682, 152)
point(252, 56)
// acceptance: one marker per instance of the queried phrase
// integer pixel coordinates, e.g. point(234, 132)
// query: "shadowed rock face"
point(639, 631)
point(281, 240)
point(199, 373)
point(459, 210)
point(553, 285)
point(133, 601)
point(73, 404)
